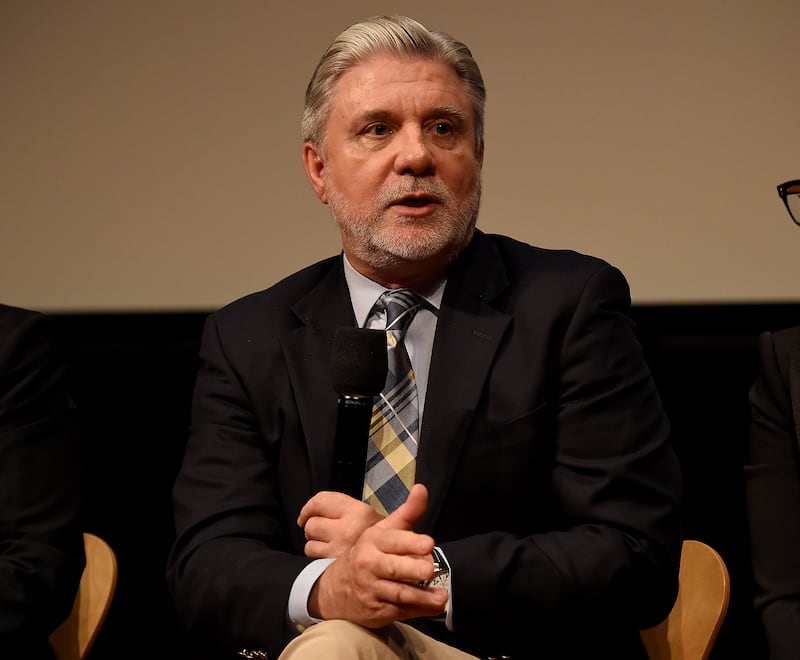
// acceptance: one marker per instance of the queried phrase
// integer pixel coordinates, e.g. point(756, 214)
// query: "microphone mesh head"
point(359, 363)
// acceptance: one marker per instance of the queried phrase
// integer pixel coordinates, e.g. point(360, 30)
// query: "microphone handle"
point(353, 418)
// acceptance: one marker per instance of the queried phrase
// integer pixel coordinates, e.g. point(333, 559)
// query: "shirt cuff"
point(301, 590)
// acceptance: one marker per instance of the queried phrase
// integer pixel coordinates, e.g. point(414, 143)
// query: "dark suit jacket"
point(41, 542)
point(553, 487)
point(773, 490)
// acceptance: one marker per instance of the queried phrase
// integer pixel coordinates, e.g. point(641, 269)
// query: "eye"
point(443, 128)
point(378, 130)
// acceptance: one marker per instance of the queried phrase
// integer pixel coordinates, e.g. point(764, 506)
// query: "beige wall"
point(150, 156)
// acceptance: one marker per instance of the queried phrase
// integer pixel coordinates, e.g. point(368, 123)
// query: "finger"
point(317, 529)
point(317, 550)
point(320, 504)
point(411, 598)
point(396, 542)
point(309, 510)
point(326, 504)
point(409, 512)
point(402, 566)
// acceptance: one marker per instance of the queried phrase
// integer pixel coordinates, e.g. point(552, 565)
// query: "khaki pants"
point(342, 640)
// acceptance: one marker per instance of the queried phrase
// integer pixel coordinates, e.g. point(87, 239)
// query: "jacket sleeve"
point(231, 569)
point(41, 469)
point(772, 478)
point(607, 559)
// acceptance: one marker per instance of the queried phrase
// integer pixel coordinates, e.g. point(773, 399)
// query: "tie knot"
point(400, 306)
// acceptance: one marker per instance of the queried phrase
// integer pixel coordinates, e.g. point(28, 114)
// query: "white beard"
point(448, 229)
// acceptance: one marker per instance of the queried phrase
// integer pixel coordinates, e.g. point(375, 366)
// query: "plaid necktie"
point(392, 450)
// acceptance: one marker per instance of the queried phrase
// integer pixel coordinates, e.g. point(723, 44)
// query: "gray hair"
point(397, 35)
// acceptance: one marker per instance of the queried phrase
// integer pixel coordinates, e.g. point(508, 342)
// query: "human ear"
point(313, 164)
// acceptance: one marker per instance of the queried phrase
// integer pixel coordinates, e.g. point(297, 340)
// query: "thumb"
point(410, 511)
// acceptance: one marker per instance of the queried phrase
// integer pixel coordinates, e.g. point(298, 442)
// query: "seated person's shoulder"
point(781, 341)
point(32, 365)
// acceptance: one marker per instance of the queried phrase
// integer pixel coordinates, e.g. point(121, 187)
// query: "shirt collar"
point(364, 292)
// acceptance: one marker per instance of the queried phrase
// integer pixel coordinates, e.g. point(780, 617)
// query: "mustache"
point(434, 189)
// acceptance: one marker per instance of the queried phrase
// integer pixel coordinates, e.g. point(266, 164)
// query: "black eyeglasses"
point(789, 192)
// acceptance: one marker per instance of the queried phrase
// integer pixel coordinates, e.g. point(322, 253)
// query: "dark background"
point(132, 377)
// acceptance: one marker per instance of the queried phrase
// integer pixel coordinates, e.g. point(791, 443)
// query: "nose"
point(414, 155)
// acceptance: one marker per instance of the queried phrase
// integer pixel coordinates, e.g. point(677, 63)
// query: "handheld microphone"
point(358, 370)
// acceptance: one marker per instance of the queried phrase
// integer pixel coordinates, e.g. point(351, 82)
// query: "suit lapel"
point(307, 352)
point(468, 334)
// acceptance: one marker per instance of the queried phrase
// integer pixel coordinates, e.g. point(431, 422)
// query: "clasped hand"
point(379, 561)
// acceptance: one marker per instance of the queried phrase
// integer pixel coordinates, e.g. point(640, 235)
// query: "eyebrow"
point(374, 115)
point(448, 111)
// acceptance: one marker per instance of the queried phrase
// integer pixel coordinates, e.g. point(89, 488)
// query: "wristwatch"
point(441, 572)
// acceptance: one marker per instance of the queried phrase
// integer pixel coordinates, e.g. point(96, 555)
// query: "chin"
point(416, 245)
point(420, 247)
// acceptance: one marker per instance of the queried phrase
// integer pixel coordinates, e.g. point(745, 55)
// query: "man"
point(772, 478)
point(546, 489)
point(41, 535)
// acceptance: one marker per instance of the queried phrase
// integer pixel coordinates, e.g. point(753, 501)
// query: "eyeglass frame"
point(783, 193)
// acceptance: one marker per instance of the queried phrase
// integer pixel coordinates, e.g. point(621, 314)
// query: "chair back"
point(74, 638)
point(691, 628)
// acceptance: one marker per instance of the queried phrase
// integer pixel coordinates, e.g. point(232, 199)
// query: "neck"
point(401, 276)
point(420, 275)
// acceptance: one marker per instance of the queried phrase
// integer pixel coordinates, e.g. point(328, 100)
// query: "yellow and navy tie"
point(394, 430)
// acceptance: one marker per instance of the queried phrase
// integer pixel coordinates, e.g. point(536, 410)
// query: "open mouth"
point(416, 201)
